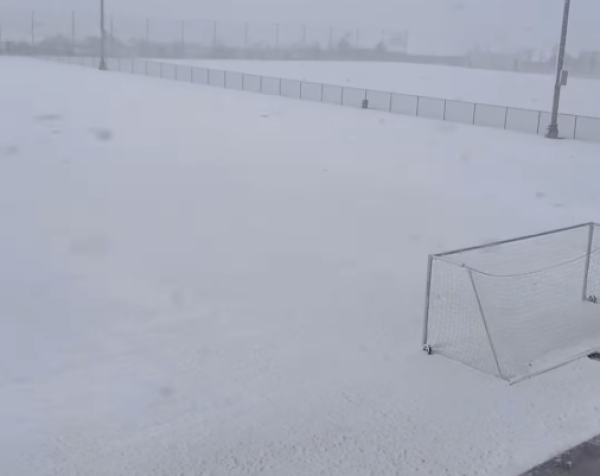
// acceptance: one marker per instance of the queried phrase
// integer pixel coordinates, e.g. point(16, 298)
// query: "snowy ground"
point(202, 281)
point(502, 88)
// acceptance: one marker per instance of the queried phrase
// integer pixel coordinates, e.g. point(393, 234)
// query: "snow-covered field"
point(502, 88)
point(202, 281)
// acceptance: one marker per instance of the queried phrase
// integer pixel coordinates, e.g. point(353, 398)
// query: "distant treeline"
point(584, 64)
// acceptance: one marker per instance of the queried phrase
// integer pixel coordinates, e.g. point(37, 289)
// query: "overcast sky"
point(434, 25)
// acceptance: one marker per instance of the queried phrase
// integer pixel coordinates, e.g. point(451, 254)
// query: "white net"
point(517, 308)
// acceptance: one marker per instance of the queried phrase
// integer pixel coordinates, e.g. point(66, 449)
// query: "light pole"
point(102, 39)
point(553, 127)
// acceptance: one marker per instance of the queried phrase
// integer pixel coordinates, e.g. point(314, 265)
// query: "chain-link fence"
point(501, 117)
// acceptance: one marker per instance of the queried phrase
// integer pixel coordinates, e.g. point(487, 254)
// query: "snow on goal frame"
point(516, 308)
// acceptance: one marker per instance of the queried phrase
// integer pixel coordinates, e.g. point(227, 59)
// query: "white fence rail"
point(501, 117)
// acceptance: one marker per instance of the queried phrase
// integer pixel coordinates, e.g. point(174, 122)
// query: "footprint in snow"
point(101, 134)
point(10, 151)
point(91, 246)
point(48, 117)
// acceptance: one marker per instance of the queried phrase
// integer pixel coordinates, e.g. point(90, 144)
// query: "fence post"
point(574, 132)
point(391, 101)
point(505, 116)
point(539, 121)
point(474, 112)
point(445, 107)
point(418, 106)
point(322, 88)
point(260, 87)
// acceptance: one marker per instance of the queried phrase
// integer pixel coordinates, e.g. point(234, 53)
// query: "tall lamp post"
point(553, 127)
point(102, 39)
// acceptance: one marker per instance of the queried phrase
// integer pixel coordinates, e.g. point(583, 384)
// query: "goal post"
point(518, 307)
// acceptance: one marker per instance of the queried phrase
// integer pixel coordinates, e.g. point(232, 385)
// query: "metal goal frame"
point(428, 348)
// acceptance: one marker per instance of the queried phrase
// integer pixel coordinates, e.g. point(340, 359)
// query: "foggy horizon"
point(435, 26)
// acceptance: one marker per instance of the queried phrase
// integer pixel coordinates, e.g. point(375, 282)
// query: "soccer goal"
point(516, 308)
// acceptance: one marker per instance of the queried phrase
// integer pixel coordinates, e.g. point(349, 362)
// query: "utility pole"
point(112, 49)
point(72, 32)
point(183, 37)
point(553, 127)
point(102, 39)
point(214, 46)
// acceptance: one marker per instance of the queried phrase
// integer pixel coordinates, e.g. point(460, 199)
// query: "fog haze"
point(435, 26)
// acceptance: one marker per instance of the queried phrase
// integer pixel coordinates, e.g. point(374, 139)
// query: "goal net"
point(519, 307)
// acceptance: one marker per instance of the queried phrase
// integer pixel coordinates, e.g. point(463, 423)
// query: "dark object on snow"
point(583, 460)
